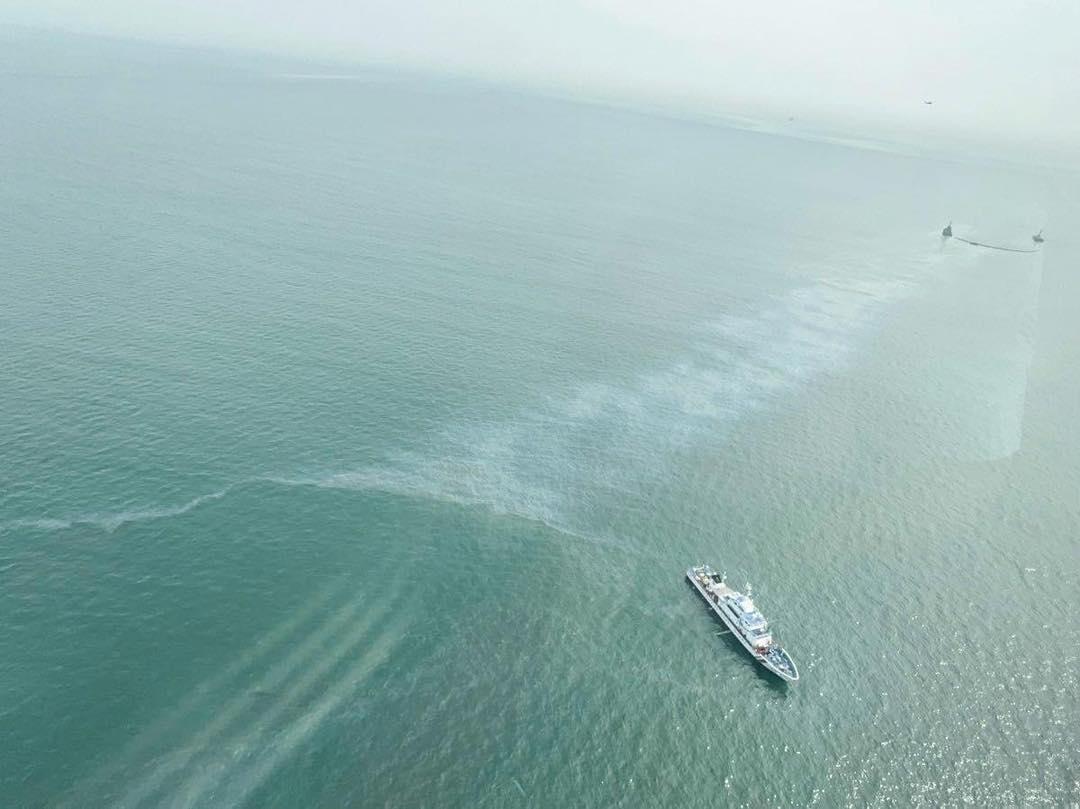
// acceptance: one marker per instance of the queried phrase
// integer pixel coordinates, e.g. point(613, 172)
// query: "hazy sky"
point(995, 69)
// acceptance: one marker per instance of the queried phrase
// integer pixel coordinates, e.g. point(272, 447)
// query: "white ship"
point(738, 612)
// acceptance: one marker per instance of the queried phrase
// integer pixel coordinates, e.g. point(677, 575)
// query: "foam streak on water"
point(135, 752)
point(298, 670)
point(249, 742)
point(531, 467)
point(538, 465)
point(286, 741)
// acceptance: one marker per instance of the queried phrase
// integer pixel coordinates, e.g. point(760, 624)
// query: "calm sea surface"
point(355, 434)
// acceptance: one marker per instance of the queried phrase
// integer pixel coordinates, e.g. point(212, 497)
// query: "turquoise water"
point(356, 434)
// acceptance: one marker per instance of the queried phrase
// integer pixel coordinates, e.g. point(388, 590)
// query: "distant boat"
point(928, 102)
point(947, 231)
point(1038, 238)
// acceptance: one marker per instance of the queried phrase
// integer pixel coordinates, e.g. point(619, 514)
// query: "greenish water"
point(356, 434)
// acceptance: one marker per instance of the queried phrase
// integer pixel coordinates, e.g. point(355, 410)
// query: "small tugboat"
point(740, 615)
point(1038, 238)
point(946, 232)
